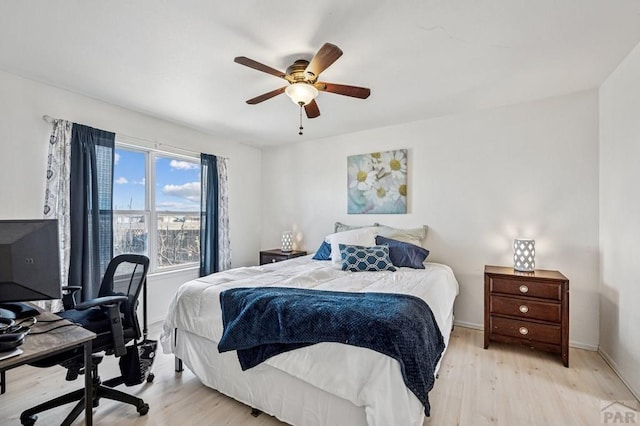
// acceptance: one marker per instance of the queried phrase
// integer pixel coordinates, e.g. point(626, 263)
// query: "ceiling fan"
point(302, 77)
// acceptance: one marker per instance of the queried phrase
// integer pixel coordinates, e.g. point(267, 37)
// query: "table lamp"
point(524, 254)
point(287, 241)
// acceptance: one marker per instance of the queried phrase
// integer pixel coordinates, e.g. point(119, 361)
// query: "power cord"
point(32, 320)
point(55, 328)
point(21, 328)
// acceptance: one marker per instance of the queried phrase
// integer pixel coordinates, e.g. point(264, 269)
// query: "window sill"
point(175, 270)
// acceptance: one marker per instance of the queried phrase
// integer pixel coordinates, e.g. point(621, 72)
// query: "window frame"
point(150, 197)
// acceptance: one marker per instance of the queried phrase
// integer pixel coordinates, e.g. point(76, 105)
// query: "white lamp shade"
point(301, 93)
point(524, 254)
point(287, 241)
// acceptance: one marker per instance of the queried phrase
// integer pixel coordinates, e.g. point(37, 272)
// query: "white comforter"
point(362, 376)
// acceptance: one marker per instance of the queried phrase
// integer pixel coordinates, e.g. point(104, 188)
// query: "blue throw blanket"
point(262, 322)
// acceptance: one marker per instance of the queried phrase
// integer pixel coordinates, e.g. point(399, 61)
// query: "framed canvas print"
point(377, 182)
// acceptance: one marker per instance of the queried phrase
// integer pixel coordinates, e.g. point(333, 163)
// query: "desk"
point(39, 346)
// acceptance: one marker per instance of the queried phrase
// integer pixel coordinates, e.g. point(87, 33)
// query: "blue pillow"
point(358, 258)
point(324, 252)
point(404, 254)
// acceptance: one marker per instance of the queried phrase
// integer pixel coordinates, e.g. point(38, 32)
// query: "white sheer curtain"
point(56, 198)
point(224, 243)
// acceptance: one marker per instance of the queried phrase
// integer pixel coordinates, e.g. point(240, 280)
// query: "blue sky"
point(177, 182)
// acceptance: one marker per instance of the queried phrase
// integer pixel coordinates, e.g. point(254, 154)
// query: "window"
point(156, 203)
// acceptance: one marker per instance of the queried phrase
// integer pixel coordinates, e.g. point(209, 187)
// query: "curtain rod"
point(155, 144)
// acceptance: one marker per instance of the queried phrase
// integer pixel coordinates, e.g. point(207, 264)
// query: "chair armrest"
point(68, 296)
point(112, 305)
point(100, 301)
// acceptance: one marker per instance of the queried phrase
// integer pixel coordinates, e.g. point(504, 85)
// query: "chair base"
point(29, 417)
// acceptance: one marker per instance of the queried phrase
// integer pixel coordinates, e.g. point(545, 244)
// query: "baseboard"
point(585, 346)
point(469, 325)
point(573, 344)
point(616, 370)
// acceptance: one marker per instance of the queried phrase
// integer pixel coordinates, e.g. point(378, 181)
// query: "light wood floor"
point(504, 385)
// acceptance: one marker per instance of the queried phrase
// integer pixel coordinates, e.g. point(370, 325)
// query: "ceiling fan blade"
point(312, 109)
point(266, 96)
point(243, 60)
point(326, 56)
point(341, 89)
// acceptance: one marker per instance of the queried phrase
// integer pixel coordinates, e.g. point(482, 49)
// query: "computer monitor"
point(29, 261)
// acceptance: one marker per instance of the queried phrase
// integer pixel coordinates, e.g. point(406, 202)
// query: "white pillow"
point(341, 227)
point(414, 236)
point(365, 237)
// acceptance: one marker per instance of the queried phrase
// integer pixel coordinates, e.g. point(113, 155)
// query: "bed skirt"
point(264, 387)
point(271, 390)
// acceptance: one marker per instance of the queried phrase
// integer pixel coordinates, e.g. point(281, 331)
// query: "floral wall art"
point(377, 182)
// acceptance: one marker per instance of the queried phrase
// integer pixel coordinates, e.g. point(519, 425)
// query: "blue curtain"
point(209, 215)
point(91, 207)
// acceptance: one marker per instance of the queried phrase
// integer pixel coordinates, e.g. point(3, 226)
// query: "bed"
point(326, 383)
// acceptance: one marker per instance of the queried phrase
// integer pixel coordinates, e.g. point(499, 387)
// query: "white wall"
point(620, 219)
point(477, 180)
point(23, 150)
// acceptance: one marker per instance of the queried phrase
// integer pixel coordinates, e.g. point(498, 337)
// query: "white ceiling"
point(421, 58)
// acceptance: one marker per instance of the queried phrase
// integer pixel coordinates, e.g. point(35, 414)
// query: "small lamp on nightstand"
point(287, 241)
point(524, 255)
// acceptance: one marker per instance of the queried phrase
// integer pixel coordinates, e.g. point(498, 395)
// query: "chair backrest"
point(126, 274)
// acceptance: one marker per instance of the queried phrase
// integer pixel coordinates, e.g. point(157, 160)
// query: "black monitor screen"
point(29, 260)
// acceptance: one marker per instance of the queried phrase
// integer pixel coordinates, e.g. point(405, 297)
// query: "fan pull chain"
point(301, 128)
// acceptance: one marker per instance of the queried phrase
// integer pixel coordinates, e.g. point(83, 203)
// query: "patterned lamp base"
point(524, 255)
point(287, 241)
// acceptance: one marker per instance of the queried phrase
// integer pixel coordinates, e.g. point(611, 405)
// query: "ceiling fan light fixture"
point(301, 93)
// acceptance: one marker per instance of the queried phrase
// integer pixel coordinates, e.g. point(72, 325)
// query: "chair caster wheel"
point(143, 409)
point(150, 377)
point(28, 420)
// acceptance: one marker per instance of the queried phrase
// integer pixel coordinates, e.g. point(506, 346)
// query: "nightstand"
point(528, 308)
point(277, 255)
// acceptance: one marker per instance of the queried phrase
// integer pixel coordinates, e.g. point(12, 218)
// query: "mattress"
point(320, 384)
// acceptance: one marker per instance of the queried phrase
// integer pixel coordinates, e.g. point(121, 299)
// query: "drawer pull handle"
point(524, 309)
point(523, 289)
point(524, 331)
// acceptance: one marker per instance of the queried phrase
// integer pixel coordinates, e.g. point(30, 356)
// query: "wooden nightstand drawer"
point(270, 258)
point(526, 308)
point(529, 331)
point(532, 288)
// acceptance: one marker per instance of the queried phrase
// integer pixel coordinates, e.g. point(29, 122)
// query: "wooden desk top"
point(37, 346)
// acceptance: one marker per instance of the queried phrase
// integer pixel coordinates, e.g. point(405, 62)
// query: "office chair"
point(112, 316)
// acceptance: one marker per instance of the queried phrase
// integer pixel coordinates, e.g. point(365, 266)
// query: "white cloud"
point(121, 180)
point(116, 158)
point(183, 165)
point(138, 182)
point(189, 191)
